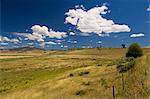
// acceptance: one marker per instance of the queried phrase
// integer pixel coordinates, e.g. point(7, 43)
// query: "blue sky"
point(24, 21)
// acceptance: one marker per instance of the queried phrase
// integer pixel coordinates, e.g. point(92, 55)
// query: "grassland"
point(73, 74)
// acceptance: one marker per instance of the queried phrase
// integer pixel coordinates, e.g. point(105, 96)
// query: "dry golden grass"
point(51, 78)
point(10, 57)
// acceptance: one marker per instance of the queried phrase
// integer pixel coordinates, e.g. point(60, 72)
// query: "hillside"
point(73, 74)
point(20, 49)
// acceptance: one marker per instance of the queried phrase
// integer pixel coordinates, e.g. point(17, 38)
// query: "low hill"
point(20, 49)
point(147, 47)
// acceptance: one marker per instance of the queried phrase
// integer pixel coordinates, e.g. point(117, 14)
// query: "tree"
point(123, 45)
point(134, 50)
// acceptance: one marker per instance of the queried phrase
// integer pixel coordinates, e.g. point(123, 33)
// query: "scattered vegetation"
point(86, 83)
point(83, 73)
point(80, 92)
point(73, 74)
point(125, 64)
point(99, 64)
point(111, 63)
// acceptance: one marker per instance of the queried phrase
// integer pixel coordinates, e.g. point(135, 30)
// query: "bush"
point(99, 64)
point(125, 66)
point(70, 75)
point(86, 83)
point(129, 59)
point(83, 73)
point(80, 92)
point(134, 50)
point(93, 59)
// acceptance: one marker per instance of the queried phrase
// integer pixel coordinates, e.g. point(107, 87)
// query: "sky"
point(63, 24)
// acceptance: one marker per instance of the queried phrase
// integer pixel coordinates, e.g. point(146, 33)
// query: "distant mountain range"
point(29, 48)
point(21, 49)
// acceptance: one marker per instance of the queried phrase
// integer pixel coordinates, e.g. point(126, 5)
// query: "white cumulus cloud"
point(39, 33)
point(70, 41)
point(137, 35)
point(48, 43)
point(92, 21)
point(72, 33)
point(64, 46)
point(3, 43)
point(99, 42)
point(103, 34)
point(148, 9)
point(6, 39)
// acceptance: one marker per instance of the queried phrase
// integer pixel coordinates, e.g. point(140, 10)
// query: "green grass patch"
point(14, 80)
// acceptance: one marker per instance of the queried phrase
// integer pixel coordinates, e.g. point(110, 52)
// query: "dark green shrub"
point(99, 64)
point(26, 82)
point(86, 83)
point(93, 59)
point(83, 73)
point(134, 50)
point(80, 92)
point(70, 75)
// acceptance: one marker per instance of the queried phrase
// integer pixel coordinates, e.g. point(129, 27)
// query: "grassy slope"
point(47, 75)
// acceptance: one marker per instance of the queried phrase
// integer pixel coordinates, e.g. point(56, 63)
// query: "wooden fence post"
point(113, 92)
point(122, 81)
